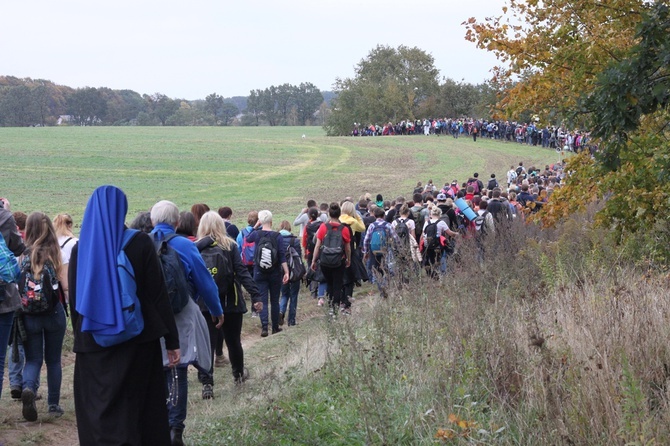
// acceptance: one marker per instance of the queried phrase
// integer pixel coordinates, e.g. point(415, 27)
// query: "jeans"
point(269, 284)
point(289, 295)
point(45, 334)
point(177, 398)
point(6, 320)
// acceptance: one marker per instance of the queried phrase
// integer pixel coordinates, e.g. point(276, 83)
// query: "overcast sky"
point(191, 48)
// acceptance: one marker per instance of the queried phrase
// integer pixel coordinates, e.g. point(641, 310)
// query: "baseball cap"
point(441, 197)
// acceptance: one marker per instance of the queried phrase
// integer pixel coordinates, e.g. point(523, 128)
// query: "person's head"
point(470, 190)
point(496, 192)
point(20, 219)
point(348, 208)
point(187, 225)
point(436, 212)
point(142, 222)
point(418, 198)
point(252, 218)
point(225, 212)
point(334, 211)
point(524, 187)
point(198, 210)
point(311, 203)
point(404, 210)
point(63, 225)
point(313, 213)
point(212, 225)
point(165, 212)
point(387, 205)
point(265, 217)
point(285, 226)
point(441, 198)
point(449, 202)
point(379, 212)
point(493, 175)
point(483, 204)
point(362, 203)
point(476, 175)
point(43, 243)
point(323, 207)
point(400, 200)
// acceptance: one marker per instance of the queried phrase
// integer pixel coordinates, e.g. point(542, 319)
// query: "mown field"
point(56, 169)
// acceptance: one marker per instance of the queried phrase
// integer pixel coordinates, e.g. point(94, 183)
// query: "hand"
point(218, 320)
point(304, 211)
point(174, 356)
point(313, 266)
point(348, 263)
point(258, 306)
point(285, 278)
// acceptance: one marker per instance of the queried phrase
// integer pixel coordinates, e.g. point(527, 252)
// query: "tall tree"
point(17, 108)
point(308, 99)
point(390, 84)
point(161, 107)
point(87, 106)
point(213, 105)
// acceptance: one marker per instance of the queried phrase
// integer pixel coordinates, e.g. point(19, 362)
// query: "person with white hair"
point(270, 268)
point(190, 322)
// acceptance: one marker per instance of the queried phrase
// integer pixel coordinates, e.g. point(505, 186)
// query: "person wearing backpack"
point(433, 230)
point(247, 249)
point(10, 301)
point(493, 183)
point(356, 272)
point(223, 260)
point(408, 250)
point(291, 289)
point(43, 314)
point(333, 253)
point(317, 289)
point(378, 245)
point(270, 269)
point(193, 333)
point(119, 391)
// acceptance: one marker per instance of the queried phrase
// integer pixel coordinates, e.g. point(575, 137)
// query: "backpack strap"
point(65, 242)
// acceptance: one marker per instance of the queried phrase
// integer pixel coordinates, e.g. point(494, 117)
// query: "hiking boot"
point(207, 392)
point(176, 436)
point(55, 410)
point(16, 392)
point(277, 330)
point(243, 378)
point(220, 361)
point(346, 311)
point(29, 409)
point(281, 318)
point(264, 333)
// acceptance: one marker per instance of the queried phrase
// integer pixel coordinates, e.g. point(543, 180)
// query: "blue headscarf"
point(98, 290)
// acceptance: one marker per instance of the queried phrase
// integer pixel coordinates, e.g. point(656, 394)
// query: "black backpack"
point(332, 247)
point(266, 256)
point(401, 230)
point(37, 296)
point(311, 229)
point(492, 184)
point(219, 263)
point(431, 239)
point(296, 268)
point(177, 286)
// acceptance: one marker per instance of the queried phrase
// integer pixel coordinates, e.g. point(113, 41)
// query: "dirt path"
point(268, 359)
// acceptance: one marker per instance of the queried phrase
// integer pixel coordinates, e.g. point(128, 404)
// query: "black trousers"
point(334, 280)
point(232, 334)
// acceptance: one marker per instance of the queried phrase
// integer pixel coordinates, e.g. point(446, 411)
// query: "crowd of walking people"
point(530, 133)
point(192, 274)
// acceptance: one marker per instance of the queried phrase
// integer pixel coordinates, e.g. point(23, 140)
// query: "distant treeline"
point(37, 102)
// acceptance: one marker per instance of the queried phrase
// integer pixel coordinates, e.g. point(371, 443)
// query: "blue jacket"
point(194, 269)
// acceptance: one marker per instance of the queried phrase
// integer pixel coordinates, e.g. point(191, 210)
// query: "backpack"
point(133, 320)
point(266, 257)
point(480, 223)
point(9, 267)
point(332, 247)
point(379, 239)
point(475, 186)
point(519, 171)
point(492, 183)
point(513, 176)
point(37, 296)
point(177, 286)
point(402, 230)
point(247, 251)
point(218, 263)
point(431, 237)
point(296, 269)
point(419, 219)
point(312, 229)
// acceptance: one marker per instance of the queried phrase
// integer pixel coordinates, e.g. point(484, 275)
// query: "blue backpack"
point(378, 239)
point(130, 304)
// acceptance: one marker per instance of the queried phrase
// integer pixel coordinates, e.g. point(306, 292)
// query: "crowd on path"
point(191, 276)
point(530, 133)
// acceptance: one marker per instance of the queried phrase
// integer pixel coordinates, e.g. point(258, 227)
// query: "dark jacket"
point(15, 244)
point(151, 292)
point(230, 291)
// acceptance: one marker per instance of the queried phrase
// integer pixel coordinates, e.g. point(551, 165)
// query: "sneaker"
point(321, 302)
point(281, 318)
point(207, 392)
point(29, 409)
point(277, 330)
point(55, 410)
point(264, 333)
point(346, 311)
point(16, 392)
point(220, 361)
point(254, 314)
point(243, 378)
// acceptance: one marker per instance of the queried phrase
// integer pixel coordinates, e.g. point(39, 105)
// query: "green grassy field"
point(56, 169)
